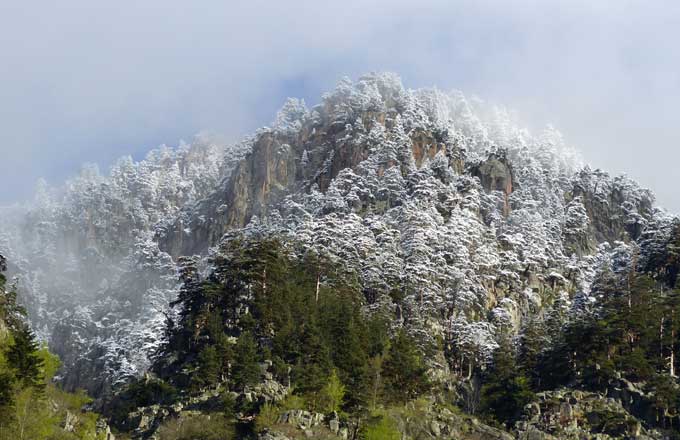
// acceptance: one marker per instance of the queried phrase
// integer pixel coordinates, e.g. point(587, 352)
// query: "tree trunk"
point(318, 286)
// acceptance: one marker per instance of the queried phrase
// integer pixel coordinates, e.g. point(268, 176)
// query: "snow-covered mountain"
point(476, 221)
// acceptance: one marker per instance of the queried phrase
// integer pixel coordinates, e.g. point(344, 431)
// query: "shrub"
point(269, 414)
point(382, 429)
point(199, 427)
point(293, 401)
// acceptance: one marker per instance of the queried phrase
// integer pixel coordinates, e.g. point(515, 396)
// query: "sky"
point(84, 81)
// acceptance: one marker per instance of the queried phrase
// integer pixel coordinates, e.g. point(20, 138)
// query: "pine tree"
point(246, 370)
point(22, 356)
point(192, 301)
point(314, 363)
point(403, 370)
point(208, 368)
point(533, 341)
point(506, 390)
point(347, 342)
point(665, 399)
point(333, 393)
point(668, 304)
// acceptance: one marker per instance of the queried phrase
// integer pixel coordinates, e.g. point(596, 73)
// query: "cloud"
point(89, 81)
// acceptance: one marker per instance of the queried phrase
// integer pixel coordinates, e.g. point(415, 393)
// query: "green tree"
point(208, 368)
point(533, 341)
point(506, 390)
point(266, 417)
point(246, 369)
point(403, 370)
point(197, 427)
point(23, 358)
point(665, 396)
point(668, 305)
point(314, 363)
point(6, 397)
point(333, 393)
point(346, 337)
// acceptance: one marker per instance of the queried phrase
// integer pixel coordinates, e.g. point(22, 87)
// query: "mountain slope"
point(454, 221)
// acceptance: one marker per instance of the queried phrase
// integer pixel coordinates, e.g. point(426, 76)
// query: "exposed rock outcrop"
point(614, 213)
point(571, 414)
point(495, 174)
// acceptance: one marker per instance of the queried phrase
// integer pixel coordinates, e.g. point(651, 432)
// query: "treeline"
point(31, 406)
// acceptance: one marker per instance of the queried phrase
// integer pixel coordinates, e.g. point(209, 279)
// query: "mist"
point(89, 82)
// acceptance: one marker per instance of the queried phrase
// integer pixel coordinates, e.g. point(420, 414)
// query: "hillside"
point(391, 230)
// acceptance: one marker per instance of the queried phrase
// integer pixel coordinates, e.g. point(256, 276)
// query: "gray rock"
point(435, 429)
point(272, 435)
point(334, 426)
point(70, 422)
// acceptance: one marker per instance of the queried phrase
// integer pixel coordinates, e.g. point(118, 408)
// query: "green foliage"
point(609, 422)
point(506, 390)
point(137, 394)
point(314, 363)
point(632, 332)
point(31, 406)
point(333, 394)
point(532, 342)
point(403, 370)
point(665, 394)
point(381, 428)
point(38, 413)
point(292, 401)
point(6, 391)
point(305, 314)
point(228, 403)
point(246, 369)
point(267, 417)
point(198, 427)
point(23, 357)
point(49, 362)
point(208, 368)
point(347, 338)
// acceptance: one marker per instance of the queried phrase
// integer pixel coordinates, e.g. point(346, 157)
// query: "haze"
point(89, 82)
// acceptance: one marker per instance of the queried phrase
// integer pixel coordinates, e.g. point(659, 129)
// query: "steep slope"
point(454, 218)
point(453, 203)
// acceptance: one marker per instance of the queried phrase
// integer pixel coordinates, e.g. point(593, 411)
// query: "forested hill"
point(389, 262)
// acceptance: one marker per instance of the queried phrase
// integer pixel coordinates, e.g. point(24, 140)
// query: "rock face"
point(495, 174)
point(414, 422)
point(613, 213)
point(281, 162)
point(252, 187)
point(569, 414)
point(434, 422)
